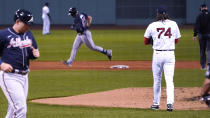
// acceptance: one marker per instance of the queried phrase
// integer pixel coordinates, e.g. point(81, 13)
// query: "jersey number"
point(166, 33)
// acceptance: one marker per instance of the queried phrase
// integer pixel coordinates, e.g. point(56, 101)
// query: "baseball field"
point(127, 46)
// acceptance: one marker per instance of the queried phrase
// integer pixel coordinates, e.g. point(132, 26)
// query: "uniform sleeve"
point(147, 33)
point(86, 16)
point(178, 35)
point(34, 44)
point(48, 10)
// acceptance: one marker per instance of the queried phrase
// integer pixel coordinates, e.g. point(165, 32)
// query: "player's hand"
point(72, 26)
point(35, 52)
point(6, 67)
point(194, 38)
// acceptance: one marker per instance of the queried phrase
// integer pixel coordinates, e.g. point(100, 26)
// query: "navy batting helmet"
point(72, 11)
point(24, 16)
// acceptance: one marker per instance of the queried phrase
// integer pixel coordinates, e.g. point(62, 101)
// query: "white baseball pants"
point(15, 88)
point(79, 40)
point(46, 25)
point(163, 61)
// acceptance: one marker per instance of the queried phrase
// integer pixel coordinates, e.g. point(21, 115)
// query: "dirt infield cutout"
point(131, 98)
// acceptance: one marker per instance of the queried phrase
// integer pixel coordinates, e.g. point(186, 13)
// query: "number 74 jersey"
point(163, 34)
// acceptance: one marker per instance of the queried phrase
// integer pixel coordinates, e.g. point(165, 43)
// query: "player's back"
point(81, 19)
point(45, 11)
point(164, 34)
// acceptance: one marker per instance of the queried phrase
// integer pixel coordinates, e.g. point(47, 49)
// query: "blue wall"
point(103, 11)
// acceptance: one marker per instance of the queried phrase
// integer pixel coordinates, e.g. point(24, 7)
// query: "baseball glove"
point(150, 41)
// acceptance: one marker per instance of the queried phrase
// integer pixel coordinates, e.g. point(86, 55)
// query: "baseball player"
point(46, 19)
point(205, 90)
point(18, 47)
point(165, 33)
point(81, 24)
point(202, 29)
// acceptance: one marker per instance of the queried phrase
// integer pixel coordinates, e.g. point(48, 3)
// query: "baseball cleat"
point(155, 107)
point(169, 107)
point(206, 99)
point(109, 54)
point(67, 63)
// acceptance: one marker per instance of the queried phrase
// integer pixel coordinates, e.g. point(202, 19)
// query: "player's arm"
point(178, 34)
point(89, 21)
point(148, 41)
point(49, 16)
point(147, 36)
point(176, 41)
point(196, 28)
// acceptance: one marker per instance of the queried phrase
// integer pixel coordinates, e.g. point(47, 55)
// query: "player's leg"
point(44, 31)
point(47, 25)
point(25, 88)
point(10, 112)
point(206, 88)
point(157, 69)
point(206, 85)
point(169, 74)
point(43, 27)
point(90, 44)
point(202, 44)
point(77, 43)
point(12, 87)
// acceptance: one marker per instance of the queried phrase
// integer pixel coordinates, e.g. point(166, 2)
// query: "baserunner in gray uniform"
point(81, 23)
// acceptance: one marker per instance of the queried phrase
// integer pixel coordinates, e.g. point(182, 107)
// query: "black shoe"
point(155, 107)
point(169, 107)
point(206, 99)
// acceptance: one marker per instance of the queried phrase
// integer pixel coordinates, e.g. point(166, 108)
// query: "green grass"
point(69, 83)
point(126, 45)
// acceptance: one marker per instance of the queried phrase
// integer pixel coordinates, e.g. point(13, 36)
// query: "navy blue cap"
point(162, 9)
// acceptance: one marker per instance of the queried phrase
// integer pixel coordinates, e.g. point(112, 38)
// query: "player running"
point(81, 24)
point(165, 33)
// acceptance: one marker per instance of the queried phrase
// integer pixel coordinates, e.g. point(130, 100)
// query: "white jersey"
point(164, 34)
point(45, 11)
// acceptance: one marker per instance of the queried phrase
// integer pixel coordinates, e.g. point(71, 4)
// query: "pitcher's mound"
point(185, 99)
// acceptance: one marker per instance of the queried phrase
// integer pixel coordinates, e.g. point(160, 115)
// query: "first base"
point(119, 67)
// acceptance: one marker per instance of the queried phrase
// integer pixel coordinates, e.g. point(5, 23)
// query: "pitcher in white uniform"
point(164, 33)
point(46, 19)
